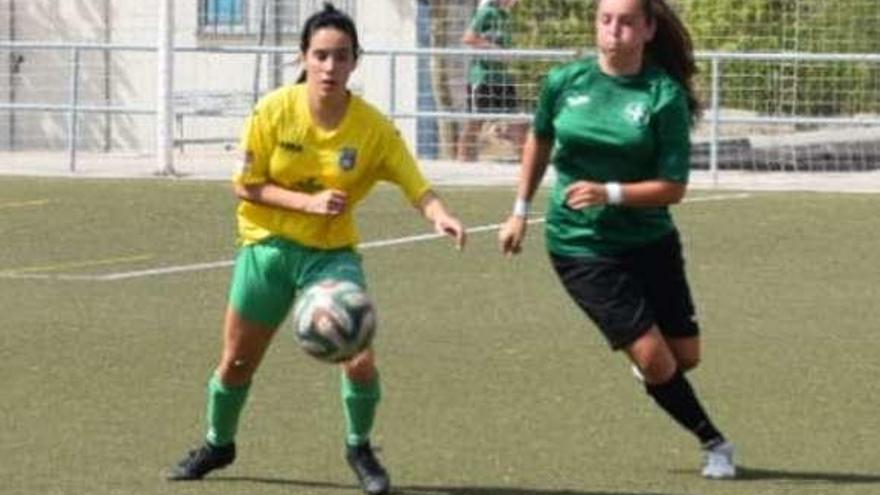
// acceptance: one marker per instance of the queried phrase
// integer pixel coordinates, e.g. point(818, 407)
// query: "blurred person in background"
point(491, 87)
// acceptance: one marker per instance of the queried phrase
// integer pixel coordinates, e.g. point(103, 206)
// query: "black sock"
point(678, 399)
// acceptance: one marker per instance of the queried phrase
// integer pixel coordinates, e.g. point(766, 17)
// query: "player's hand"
point(329, 202)
point(511, 235)
point(452, 227)
point(583, 193)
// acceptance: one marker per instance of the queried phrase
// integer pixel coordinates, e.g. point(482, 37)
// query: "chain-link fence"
point(789, 84)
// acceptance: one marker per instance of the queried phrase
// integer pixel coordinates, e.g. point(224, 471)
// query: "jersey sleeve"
point(398, 166)
point(480, 22)
point(547, 104)
point(257, 144)
point(673, 136)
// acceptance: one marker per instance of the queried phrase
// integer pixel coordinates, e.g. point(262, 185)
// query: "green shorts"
point(268, 275)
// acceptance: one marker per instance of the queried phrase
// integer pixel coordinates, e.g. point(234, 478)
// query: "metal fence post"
point(72, 114)
point(165, 90)
point(392, 68)
point(716, 117)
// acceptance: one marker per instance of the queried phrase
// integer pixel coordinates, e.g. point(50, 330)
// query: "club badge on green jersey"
point(347, 158)
point(637, 113)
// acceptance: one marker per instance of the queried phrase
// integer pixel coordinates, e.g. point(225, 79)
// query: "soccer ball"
point(333, 320)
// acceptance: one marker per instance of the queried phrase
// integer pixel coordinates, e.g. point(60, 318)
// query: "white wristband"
point(614, 193)
point(520, 208)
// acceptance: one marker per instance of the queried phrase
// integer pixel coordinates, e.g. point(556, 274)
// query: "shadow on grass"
point(745, 473)
point(420, 490)
point(493, 490)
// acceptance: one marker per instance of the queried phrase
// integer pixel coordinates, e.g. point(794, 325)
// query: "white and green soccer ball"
point(333, 320)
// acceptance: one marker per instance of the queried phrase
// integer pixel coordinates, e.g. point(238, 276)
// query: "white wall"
point(382, 24)
point(387, 24)
point(44, 75)
point(5, 116)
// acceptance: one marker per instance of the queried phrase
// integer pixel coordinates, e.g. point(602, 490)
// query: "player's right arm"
point(327, 202)
point(253, 182)
point(474, 40)
point(535, 158)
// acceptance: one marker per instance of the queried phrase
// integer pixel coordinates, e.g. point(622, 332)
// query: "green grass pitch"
point(494, 383)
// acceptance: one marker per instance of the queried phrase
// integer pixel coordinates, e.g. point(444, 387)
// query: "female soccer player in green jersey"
point(616, 128)
point(312, 151)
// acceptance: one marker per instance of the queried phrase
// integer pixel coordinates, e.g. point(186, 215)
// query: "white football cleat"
point(637, 373)
point(718, 462)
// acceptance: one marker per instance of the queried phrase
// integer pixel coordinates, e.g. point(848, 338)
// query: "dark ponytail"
point(672, 49)
point(331, 17)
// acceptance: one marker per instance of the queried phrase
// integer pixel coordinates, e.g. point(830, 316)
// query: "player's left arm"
point(399, 166)
point(646, 193)
point(672, 132)
point(433, 208)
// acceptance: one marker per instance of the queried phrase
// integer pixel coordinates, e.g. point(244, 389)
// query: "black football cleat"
point(371, 475)
point(202, 461)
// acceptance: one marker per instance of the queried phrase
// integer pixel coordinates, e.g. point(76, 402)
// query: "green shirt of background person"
point(492, 24)
point(491, 87)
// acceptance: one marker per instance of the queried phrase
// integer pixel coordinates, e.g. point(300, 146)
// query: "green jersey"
point(494, 24)
point(607, 128)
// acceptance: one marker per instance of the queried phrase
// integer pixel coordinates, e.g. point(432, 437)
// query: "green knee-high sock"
point(359, 402)
point(224, 407)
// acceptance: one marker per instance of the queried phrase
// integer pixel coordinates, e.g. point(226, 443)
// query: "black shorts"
point(624, 295)
point(487, 98)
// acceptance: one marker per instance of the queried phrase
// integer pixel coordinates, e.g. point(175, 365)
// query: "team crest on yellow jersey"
point(347, 158)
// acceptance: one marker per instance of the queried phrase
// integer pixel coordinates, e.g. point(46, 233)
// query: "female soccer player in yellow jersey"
point(616, 128)
point(312, 152)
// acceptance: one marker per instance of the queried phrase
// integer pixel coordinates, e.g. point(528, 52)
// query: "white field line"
point(365, 245)
point(717, 197)
point(22, 204)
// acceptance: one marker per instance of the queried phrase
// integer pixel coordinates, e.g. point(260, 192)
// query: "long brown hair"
point(672, 49)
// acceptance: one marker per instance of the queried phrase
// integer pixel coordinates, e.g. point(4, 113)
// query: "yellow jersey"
point(282, 145)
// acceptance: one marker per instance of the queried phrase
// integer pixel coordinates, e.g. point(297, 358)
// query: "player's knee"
point(688, 363)
point(657, 371)
point(656, 365)
point(236, 371)
point(361, 368)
